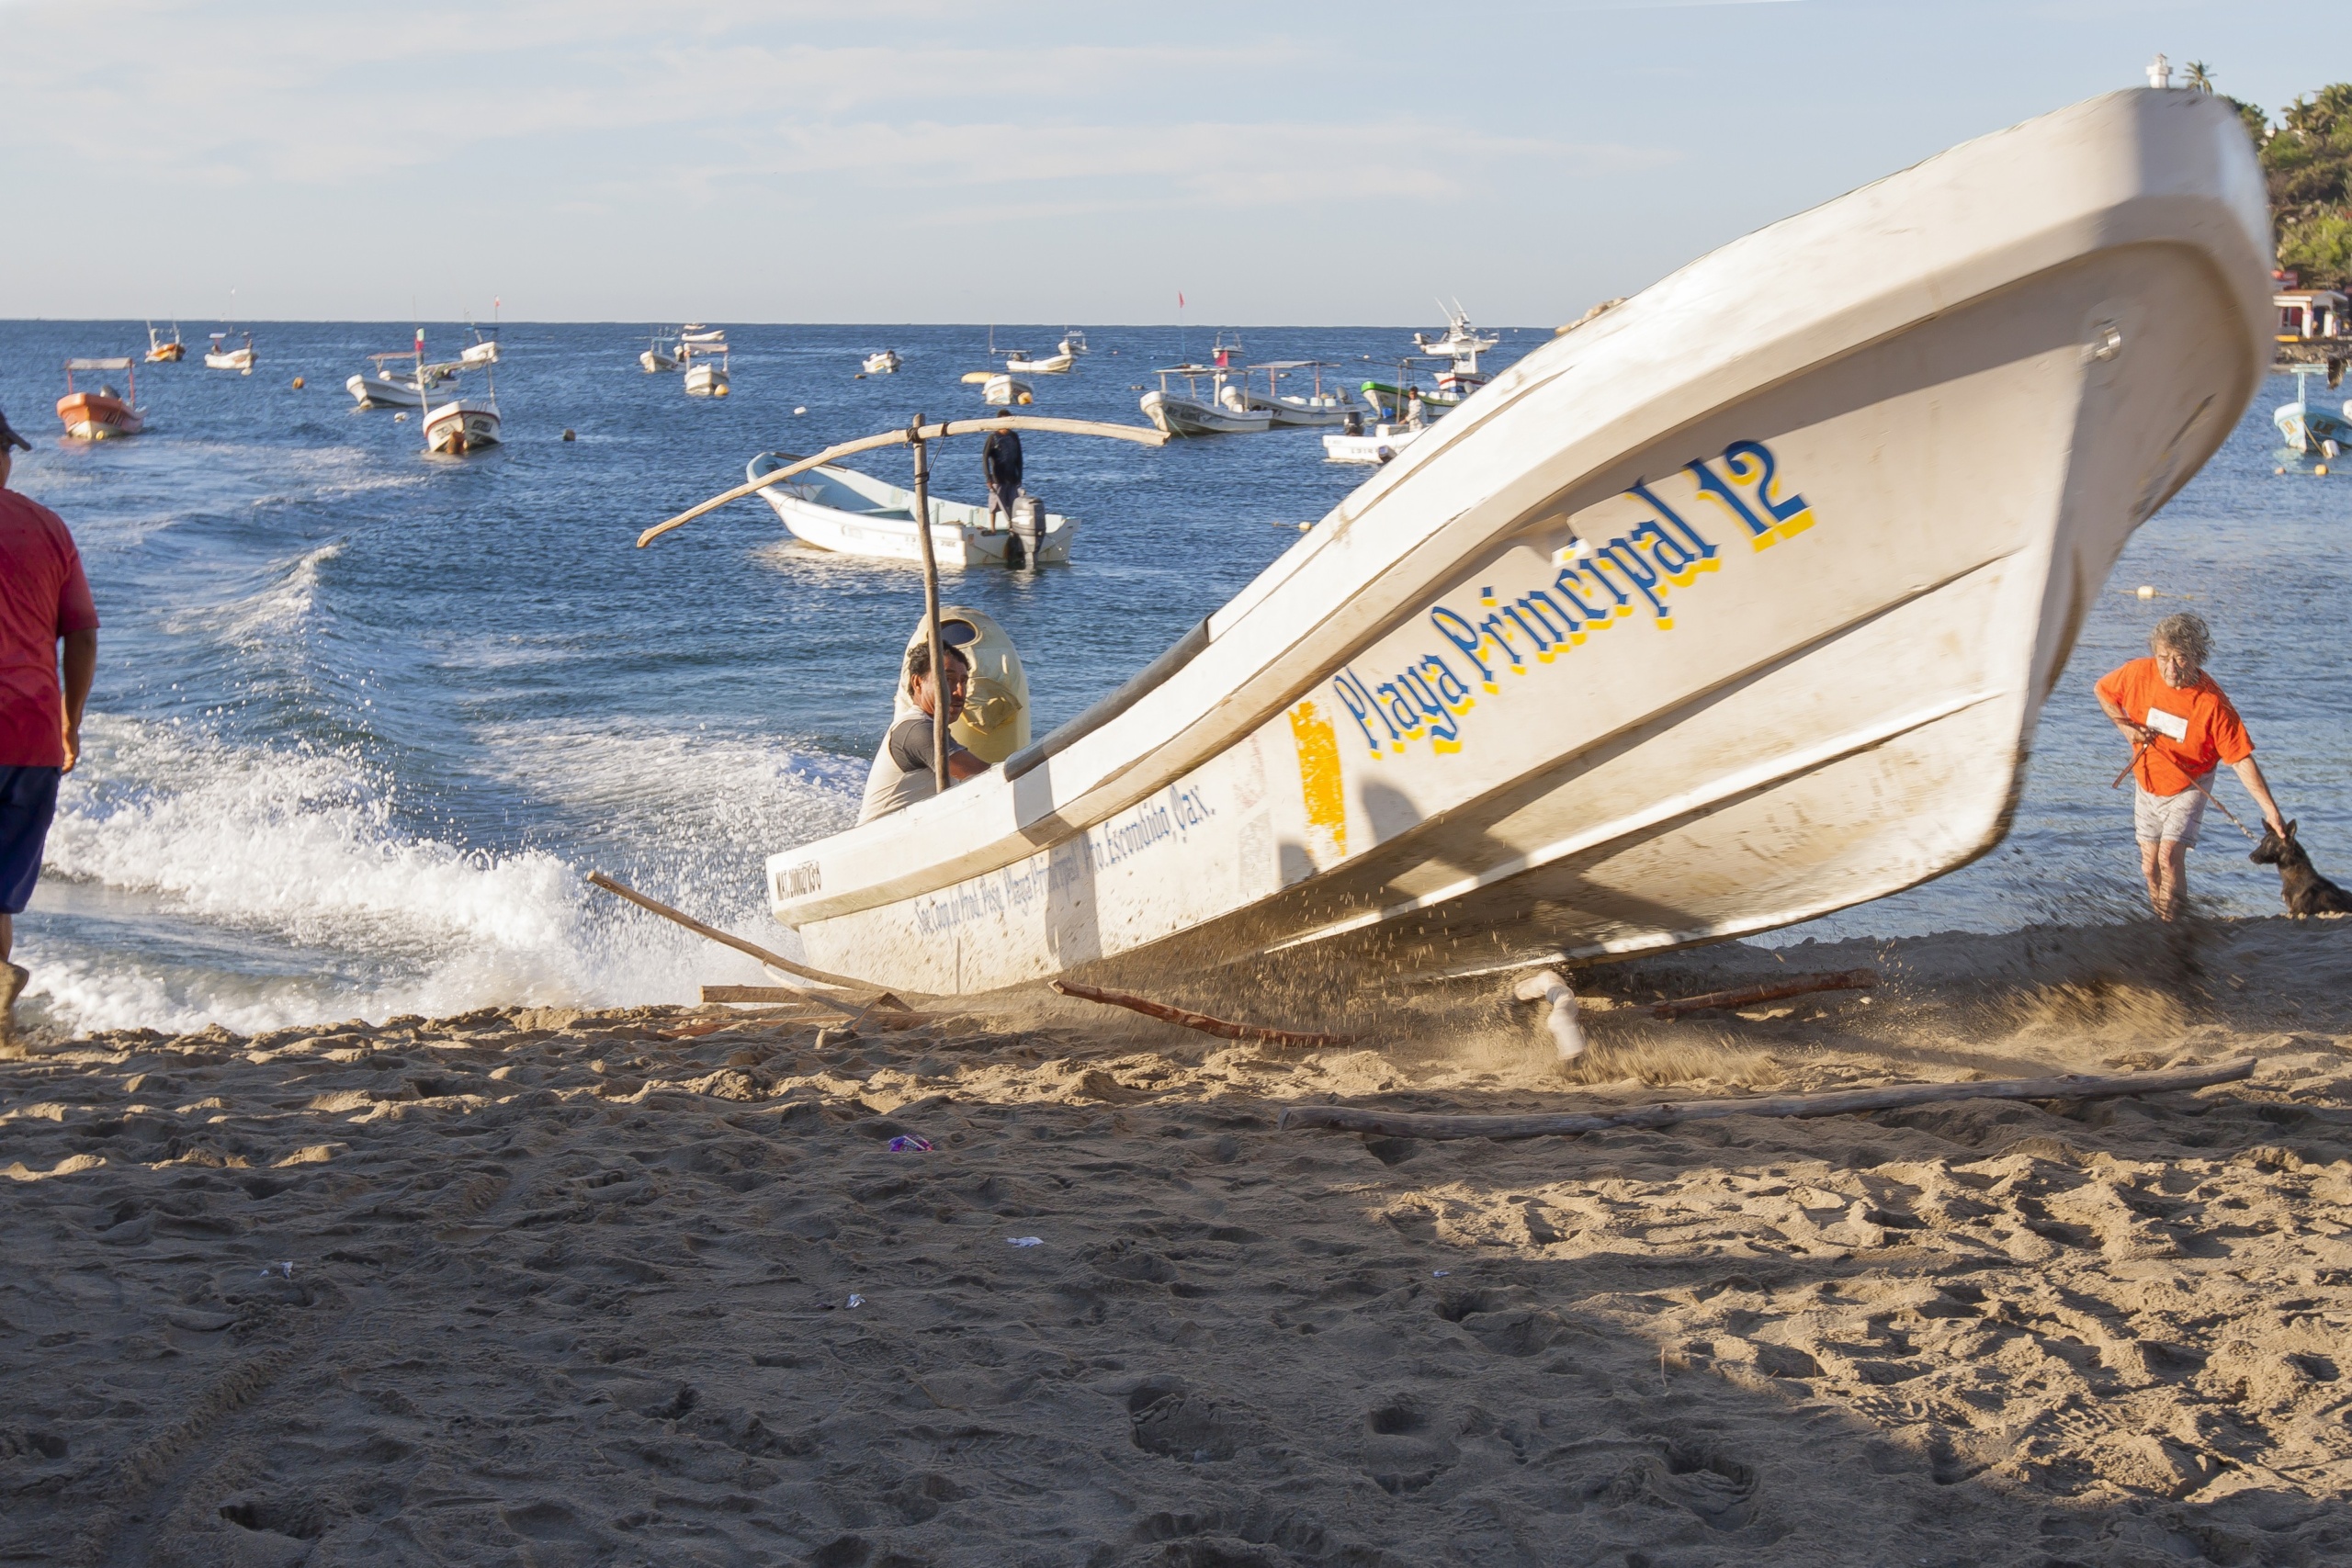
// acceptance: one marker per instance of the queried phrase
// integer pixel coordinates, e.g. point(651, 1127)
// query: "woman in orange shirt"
point(2181, 726)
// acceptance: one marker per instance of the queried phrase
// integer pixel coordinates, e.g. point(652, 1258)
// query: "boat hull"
point(706, 381)
point(467, 425)
point(166, 354)
point(882, 364)
point(2306, 429)
point(883, 529)
point(235, 360)
point(383, 393)
point(1674, 633)
point(93, 416)
point(1188, 416)
point(1378, 447)
point(655, 363)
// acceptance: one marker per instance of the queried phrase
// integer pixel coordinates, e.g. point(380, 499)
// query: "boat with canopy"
point(1224, 410)
point(384, 389)
point(2305, 427)
point(1310, 406)
point(161, 351)
point(1733, 607)
point(105, 414)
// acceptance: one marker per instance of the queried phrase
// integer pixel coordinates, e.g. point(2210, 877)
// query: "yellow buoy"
point(1025, 400)
point(2146, 592)
point(297, 383)
point(2320, 469)
point(719, 391)
point(802, 408)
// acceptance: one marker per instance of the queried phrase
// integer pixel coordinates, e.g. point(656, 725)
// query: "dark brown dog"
point(2306, 891)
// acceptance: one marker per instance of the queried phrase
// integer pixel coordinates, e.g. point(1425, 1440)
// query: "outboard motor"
point(1028, 531)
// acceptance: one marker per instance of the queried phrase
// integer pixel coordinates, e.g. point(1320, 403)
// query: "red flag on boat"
point(1179, 298)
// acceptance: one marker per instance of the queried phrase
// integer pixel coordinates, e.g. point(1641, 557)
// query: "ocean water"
point(364, 719)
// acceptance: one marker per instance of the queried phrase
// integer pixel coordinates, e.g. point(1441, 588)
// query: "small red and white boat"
point(95, 416)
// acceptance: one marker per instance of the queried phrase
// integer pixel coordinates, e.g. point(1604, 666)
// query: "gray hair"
point(2184, 633)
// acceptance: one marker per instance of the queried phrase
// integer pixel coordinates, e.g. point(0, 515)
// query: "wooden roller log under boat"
point(1733, 607)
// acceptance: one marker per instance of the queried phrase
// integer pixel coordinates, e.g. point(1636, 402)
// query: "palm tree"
point(2197, 77)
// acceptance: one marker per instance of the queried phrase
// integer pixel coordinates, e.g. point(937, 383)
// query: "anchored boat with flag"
point(1735, 607)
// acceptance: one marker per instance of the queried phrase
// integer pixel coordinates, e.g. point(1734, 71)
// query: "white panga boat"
point(1847, 487)
point(1059, 363)
point(162, 353)
point(221, 356)
point(695, 332)
point(1225, 410)
point(839, 509)
point(882, 364)
point(463, 424)
point(1381, 444)
point(385, 389)
point(2307, 427)
point(705, 379)
point(660, 355)
point(1004, 391)
point(1307, 407)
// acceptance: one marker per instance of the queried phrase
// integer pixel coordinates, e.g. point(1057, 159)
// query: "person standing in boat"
point(2180, 726)
point(902, 772)
point(1000, 465)
point(45, 612)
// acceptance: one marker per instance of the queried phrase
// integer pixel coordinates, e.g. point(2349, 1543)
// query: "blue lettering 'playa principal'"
point(1597, 585)
point(1167, 818)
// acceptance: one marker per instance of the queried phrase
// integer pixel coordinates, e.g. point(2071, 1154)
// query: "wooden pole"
point(1199, 1021)
point(930, 609)
point(864, 990)
point(1769, 991)
point(1141, 435)
point(1838, 1102)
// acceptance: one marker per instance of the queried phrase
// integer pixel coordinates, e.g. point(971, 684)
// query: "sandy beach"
point(550, 1287)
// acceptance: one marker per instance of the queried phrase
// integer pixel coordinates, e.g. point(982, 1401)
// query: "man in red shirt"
point(2180, 726)
point(44, 600)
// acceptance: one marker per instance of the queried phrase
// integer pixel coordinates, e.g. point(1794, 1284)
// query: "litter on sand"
point(1024, 1241)
point(909, 1144)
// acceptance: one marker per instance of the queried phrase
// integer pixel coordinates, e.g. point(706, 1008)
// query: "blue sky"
point(1016, 162)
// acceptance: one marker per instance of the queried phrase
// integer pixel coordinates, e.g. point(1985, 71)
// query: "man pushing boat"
point(2180, 725)
point(904, 770)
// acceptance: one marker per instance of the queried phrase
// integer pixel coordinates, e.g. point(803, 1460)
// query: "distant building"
point(2308, 313)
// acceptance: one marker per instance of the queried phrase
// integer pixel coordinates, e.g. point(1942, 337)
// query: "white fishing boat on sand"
point(838, 509)
point(1224, 410)
point(1736, 607)
point(221, 356)
point(882, 364)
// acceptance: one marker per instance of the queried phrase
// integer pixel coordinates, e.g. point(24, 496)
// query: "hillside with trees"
point(2307, 162)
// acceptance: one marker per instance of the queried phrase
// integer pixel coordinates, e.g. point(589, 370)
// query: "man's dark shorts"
point(28, 801)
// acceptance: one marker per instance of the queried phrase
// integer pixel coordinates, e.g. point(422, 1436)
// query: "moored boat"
point(1059, 363)
point(159, 352)
point(105, 414)
point(660, 355)
point(381, 388)
point(463, 425)
point(1694, 622)
point(1311, 406)
point(1003, 391)
point(885, 363)
point(2306, 427)
point(1224, 411)
point(221, 356)
point(1460, 347)
point(1381, 444)
point(706, 378)
point(841, 510)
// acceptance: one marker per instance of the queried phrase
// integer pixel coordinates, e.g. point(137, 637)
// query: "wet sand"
point(544, 1287)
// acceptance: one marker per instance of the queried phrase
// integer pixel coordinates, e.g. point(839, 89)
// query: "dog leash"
point(2140, 747)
